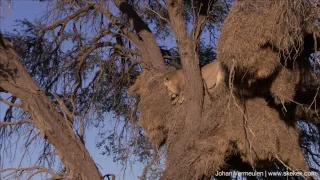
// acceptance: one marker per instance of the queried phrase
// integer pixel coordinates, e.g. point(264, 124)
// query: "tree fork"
point(194, 91)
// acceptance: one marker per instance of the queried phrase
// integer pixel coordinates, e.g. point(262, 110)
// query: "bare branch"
point(152, 54)
point(117, 46)
point(291, 169)
point(198, 28)
point(201, 19)
point(68, 18)
point(40, 168)
point(10, 103)
point(159, 15)
point(17, 123)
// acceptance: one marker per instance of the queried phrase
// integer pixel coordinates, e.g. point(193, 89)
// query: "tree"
point(249, 118)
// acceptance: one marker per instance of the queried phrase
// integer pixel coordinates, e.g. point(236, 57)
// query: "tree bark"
point(184, 139)
point(152, 54)
point(190, 62)
point(15, 79)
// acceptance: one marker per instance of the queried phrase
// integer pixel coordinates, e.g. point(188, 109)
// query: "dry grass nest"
point(256, 36)
point(229, 126)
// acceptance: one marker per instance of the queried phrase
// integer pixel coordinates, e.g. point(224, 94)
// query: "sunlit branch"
point(10, 103)
point(159, 15)
point(16, 123)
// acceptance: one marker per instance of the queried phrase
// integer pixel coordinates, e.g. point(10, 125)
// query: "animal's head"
point(167, 82)
point(172, 86)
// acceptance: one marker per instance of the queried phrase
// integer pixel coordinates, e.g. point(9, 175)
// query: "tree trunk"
point(184, 140)
point(15, 79)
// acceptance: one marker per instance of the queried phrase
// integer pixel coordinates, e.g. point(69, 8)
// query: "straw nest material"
point(251, 128)
point(261, 38)
point(155, 106)
point(263, 53)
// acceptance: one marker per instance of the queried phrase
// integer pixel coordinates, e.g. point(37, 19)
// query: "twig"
point(314, 99)
point(161, 17)
point(245, 119)
point(289, 167)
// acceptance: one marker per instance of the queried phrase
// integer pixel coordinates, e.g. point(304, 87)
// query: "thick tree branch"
point(194, 87)
point(190, 62)
point(50, 123)
point(151, 48)
point(175, 9)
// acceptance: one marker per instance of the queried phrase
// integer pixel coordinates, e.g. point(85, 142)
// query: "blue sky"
point(30, 10)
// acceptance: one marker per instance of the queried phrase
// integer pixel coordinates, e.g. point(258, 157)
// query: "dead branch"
point(159, 15)
point(10, 103)
point(17, 123)
point(67, 19)
point(198, 28)
point(200, 22)
point(291, 169)
point(117, 46)
point(39, 168)
point(82, 56)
